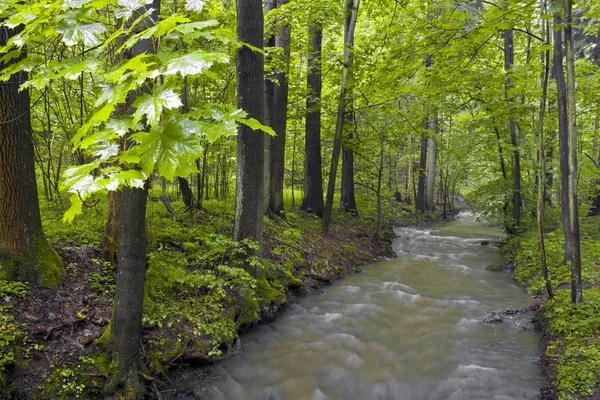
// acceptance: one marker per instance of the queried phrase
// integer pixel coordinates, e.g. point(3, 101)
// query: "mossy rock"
point(495, 267)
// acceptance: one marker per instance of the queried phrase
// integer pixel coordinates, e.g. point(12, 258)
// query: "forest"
point(173, 172)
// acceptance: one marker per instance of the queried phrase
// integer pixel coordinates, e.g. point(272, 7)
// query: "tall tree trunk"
point(432, 166)
point(421, 206)
point(313, 175)
point(347, 198)
point(563, 133)
point(541, 199)
point(269, 93)
point(25, 254)
point(576, 283)
point(339, 127)
point(250, 144)
point(509, 60)
point(279, 123)
point(126, 322)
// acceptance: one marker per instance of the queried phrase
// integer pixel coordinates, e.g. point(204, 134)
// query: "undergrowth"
point(572, 330)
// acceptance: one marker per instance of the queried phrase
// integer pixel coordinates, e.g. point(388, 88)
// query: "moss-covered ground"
point(198, 295)
point(571, 332)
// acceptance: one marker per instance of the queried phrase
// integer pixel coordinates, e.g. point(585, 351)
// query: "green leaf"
point(195, 5)
point(86, 34)
point(256, 125)
point(194, 63)
point(152, 105)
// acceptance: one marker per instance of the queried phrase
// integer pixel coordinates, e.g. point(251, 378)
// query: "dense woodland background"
point(112, 112)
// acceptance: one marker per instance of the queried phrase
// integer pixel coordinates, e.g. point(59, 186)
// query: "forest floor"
point(197, 295)
point(571, 333)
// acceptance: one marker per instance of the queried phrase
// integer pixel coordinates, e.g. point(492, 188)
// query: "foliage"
point(13, 336)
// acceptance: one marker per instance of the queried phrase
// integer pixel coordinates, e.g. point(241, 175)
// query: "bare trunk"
point(186, 192)
point(25, 254)
point(126, 322)
point(432, 167)
point(279, 123)
point(509, 57)
point(421, 206)
point(563, 134)
point(339, 128)
point(541, 199)
point(313, 175)
point(250, 144)
point(576, 283)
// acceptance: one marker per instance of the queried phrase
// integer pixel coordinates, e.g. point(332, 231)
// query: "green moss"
point(40, 262)
point(105, 340)
point(292, 281)
point(50, 265)
point(270, 292)
point(190, 247)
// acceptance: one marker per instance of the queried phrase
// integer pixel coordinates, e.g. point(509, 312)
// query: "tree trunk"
point(563, 134)
point(432, 167)
point(269, 93)
point(186, 192)
point(126, 323)
point(279, 123)
point(576, 283)
point(339, 128)
point(25, 254)
point(250, 144)
point(541, 199)
point(509, 59)
point(422, 174)
point(347, 198)
point(110, 240)
point(313, 175)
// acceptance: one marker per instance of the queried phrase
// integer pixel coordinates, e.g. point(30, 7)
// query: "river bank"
point(53, 346)
point(570, 332)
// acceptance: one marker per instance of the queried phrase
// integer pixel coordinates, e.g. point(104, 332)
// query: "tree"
point(25, 254)
point(352, 6)
point(563, 133)
point(250, 150)
point(509, 60)
point(347, 197)
point(279, 120)
point(573, 204)
point(313, 176)
point(126, 321)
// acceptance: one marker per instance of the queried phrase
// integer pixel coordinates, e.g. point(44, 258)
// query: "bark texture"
point(279, 122)
point(347, 198)
point(25, 254)
point(313, 174)
point(126, 322)
point(509, 60)
point(576, 283)
point(432, 167)
point(421, 201)
point(186, 192)
point(250, 143)
point(563, 134)
point(339, 127)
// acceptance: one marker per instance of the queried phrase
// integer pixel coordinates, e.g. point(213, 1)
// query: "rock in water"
point(494, 267)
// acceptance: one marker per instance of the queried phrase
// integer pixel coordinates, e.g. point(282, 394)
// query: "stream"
point(408, 328)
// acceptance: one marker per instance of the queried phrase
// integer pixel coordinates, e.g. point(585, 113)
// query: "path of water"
point(410, 328)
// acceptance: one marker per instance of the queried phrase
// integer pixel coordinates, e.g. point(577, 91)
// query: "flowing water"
point(407, 328)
